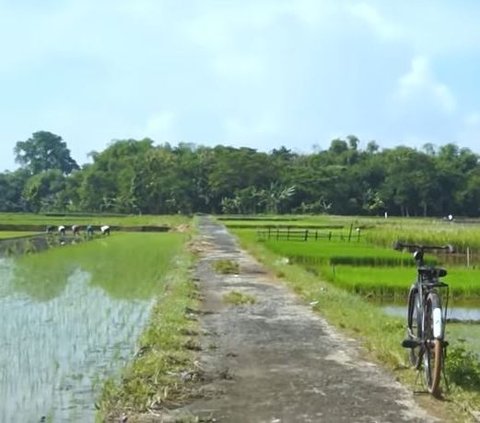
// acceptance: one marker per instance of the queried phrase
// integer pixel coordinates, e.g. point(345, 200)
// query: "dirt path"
point(278, 362)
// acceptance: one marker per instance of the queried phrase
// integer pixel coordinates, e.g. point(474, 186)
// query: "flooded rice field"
point(67, 328)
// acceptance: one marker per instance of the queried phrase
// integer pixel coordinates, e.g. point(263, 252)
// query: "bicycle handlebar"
point(418, 247)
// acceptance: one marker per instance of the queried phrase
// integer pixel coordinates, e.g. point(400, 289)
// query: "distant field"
point(368, 265)
point(13, 234)
point(94, 219)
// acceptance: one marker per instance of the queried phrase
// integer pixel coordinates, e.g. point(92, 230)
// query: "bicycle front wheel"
point(433, 335)
point(414, 330)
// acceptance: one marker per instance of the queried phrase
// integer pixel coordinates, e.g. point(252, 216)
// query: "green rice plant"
point(375, 282)
point(126, 265)
point(394, 282)
point(461, 236)
point(239, 298)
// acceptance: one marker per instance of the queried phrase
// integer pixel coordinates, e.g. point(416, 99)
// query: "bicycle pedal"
point(410, 343)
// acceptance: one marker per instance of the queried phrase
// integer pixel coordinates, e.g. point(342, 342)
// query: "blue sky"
point(255, 73)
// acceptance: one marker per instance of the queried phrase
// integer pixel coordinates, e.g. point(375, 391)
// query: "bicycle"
point(426, 318)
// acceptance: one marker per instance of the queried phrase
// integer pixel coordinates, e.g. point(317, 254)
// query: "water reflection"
point(55, 353)
point(466, 314)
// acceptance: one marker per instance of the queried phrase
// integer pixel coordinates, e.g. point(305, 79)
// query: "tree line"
point(137, 176)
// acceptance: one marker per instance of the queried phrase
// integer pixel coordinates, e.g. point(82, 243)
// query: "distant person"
point(75, 230)
point(49, 229)
point(105, 229)
point(89, 231)
point(450, 217)
point(61, 230)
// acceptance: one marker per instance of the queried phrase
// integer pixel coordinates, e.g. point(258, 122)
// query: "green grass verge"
point(163, 367)
point(380, 334)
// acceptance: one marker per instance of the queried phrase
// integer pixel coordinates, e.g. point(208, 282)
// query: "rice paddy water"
point(69, 319)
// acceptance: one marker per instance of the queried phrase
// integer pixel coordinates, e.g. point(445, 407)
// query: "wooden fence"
point(287, 234)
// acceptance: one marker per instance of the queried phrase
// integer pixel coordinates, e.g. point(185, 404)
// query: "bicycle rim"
point(433, 355)
point(414, 327)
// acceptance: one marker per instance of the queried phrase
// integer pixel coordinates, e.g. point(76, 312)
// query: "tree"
point(46, 191)
point(11, 188)
point(44, 151)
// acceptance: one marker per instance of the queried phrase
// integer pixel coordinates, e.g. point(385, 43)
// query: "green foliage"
point(136, 176)
point(463, 368)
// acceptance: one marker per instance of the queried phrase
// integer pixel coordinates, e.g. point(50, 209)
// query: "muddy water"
point(55, 353)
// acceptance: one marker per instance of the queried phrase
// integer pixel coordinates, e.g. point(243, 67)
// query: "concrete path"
point(276, 361)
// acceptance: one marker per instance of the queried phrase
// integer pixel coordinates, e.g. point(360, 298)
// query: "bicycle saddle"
point(432, 272)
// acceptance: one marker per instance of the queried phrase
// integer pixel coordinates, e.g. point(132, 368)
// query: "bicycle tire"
point(433, 355)
point(414, 321)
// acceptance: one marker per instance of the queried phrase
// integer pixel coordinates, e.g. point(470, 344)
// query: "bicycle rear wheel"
point(414, 331)
point(433, 355)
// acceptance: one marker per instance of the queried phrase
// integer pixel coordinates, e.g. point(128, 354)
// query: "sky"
point(246, 73)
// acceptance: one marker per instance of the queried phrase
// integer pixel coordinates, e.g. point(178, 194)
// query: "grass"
point(163, 367)
point(239, 298)
point(226, 267)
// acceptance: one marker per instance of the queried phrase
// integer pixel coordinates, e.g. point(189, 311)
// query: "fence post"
point(269, 230)
point(288, 233)
point(350, 232)
point(316, 234)
point(306, 234)
point(277, 234)
point(330, 235)
point(468, 256)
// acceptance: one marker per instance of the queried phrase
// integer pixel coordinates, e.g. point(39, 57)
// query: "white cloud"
point(420, 84)
point(378, 24)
